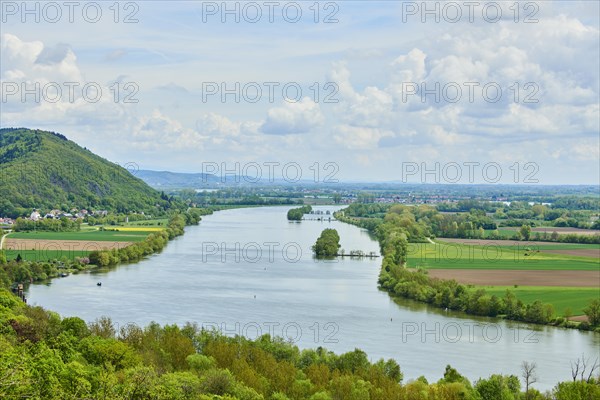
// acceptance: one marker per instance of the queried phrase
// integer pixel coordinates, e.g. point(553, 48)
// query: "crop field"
point(86, 235)
point(562, 274)
point(42, 246)
point(503, 277)
point(550, 229)
point(46, 255)
point(137, 229)
point(575, 298)
point(495, 257)
point(148, 223)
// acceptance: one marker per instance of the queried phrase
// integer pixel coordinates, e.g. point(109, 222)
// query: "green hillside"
point(45, 170)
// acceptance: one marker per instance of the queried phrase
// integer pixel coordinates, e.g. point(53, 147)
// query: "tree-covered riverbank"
point(44, 356)
point(398, 226)
point(20, 271)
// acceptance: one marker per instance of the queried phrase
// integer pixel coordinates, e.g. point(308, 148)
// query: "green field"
point(87, 235)
point(461, 256)
point(504, 233)
point(560, 297)
point(149, 222)
point(32, 255)
point(91, 234)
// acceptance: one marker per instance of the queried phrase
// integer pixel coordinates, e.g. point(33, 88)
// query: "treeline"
point(428, 222)
point(154, 243)
point(448, 294)
point(563, 212)
point(20, 271)
point(45, 356)
point(47, 224)
point(296, 214)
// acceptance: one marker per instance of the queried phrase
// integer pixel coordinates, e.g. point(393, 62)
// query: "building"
point(35, 216)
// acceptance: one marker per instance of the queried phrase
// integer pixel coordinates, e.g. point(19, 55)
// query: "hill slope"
point(177, 180)
point(45, 170)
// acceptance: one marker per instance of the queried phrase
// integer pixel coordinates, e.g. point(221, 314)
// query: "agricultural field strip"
point(468, 256)
point(532, 278)
point(122, 235)
point(45, 255)
point(562, 298)
point(65, 245)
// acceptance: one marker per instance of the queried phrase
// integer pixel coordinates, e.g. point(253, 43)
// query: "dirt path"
point(2, 240)
point(524, 278)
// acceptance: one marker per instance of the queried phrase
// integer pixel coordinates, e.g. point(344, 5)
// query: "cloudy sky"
point(376, 89)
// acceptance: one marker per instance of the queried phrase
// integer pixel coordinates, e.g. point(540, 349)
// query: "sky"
point(436, 92)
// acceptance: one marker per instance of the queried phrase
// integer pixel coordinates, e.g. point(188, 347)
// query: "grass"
point(504, 233)
point(560, 297)
point(45, 255)
point(161, 222)
point(135, 228)
point(86, 235)
point(460, 256)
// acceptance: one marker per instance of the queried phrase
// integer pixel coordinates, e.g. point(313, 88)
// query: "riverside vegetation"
point(19, 270)
point(44, 356)
point(296, 214)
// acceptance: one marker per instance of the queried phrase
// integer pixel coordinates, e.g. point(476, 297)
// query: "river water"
point(250, 271)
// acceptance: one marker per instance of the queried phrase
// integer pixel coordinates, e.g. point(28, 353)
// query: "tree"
point(529, 375)
point(593, 312)
point(525, 232)
point(397, 247)
point(579, 367)
point(296, 214)
point(451, 375)
point(337, 198)
point(328, 244)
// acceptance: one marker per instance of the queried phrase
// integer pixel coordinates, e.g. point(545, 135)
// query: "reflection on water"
point(250, 271)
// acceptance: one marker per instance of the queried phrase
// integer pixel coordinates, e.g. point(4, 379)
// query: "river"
point(250, 271)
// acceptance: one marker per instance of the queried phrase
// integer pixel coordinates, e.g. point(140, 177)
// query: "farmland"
point(119, 235)
point(471, 254)
point(41, 246)
point(562, 298)
point(31, 255)
point(564, 275)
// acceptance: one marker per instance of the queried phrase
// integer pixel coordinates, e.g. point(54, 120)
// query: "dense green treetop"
point(296, 214)
point(327, 244)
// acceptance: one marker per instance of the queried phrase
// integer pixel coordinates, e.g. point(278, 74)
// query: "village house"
point(35, 215)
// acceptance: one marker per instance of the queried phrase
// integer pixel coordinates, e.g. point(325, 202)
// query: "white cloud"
point(159, 131)
point(293, 117)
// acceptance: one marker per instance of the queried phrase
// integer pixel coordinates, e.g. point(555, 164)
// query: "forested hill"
point(45, 170)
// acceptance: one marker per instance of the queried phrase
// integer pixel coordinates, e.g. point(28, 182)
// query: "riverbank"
point(415, 283)
point(22, 271)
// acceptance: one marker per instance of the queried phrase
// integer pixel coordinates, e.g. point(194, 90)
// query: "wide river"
point(250, 271)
